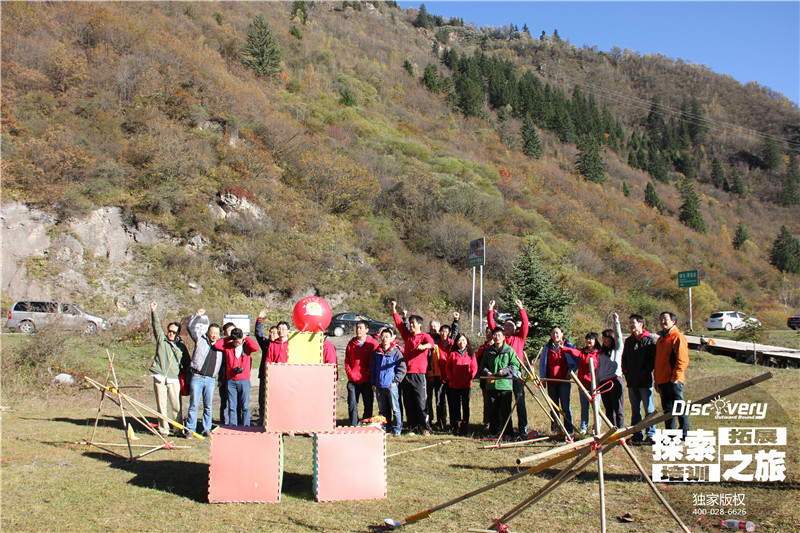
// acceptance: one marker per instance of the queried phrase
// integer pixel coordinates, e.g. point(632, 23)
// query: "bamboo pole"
point(100, 404)
point(571, 451)
point(636, 462)
point(530, 471)
point(600, 474)
point(110, 358)
point(515, 444)
point(132, 445)
point(565, 475)
point(418, 449)
point(133, 401)
point(556, 451)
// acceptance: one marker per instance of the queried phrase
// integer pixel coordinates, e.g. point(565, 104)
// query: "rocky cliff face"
point(76, 260)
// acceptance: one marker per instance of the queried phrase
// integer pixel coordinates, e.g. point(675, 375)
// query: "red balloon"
point(312, 313)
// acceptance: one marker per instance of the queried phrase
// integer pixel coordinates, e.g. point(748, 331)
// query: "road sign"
point(477, 255)
point(688, 278)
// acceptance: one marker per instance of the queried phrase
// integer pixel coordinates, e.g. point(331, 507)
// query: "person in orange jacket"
point(672, 360)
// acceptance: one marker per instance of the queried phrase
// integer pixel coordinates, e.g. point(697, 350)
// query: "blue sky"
point(749, 41)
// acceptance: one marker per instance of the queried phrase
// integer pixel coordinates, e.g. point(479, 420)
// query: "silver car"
point(27, 316)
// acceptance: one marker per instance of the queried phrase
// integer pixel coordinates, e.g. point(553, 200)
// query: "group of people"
point(643, 359)
point(430, 373)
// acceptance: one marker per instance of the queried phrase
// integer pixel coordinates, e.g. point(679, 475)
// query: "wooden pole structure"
point(515, 444)
point(133, 401)
point(600, 474)
point(636, 462)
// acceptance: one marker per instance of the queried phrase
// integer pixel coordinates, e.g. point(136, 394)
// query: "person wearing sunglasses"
point(171, 352)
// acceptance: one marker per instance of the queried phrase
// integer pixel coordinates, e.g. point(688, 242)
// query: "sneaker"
point(396, 434)
point(648, 441)
point(426, 433)
point(206, 433)
point(410, 432)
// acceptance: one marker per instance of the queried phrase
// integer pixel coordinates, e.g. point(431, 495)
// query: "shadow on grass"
point(104, 421)
point(182, 478)
point(298, 485)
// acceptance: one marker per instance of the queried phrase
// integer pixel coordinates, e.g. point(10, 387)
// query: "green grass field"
point(51, 482)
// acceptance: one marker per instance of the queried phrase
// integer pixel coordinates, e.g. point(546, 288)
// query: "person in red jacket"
point(436, 389)
point(357, 359)
point(278, 351)
point(416, 347)
point(482, 383)
point(461, 368)
point(588, 355)
point(236, 352)
point(516, 339)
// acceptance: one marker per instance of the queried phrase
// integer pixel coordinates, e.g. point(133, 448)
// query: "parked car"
point(346, 323)
point(793, 321)
point(729, 320)
point(28, 316)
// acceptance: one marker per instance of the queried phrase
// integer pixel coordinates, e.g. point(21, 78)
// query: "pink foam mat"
point(350, 464)
point(245, 466)
point(300, 398)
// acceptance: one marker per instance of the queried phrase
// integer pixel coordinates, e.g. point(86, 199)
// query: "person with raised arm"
point(415, 352)
point(515, 337)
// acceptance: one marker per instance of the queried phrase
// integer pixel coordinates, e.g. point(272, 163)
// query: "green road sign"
point(688, 278)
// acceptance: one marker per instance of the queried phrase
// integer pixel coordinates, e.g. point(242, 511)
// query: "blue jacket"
point(572, 363)
point(387, 367)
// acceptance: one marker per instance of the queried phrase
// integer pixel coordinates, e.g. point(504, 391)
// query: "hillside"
point(345, 176)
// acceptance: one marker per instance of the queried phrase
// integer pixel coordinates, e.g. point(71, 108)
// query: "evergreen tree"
point(737, 187)
point(590, 162)
point(299, 8)
point(656, 124)
point(408, 67)
point(543, 36)
point(531, 145)
point(260, 51)
point(651, 198)
point(424, 19)
point(450, 59)
point(625, 190)
point(633, 161)
point(347, 98)
point(785, 253)
point(697, 122)
point(469, 96)
point(655, 165)
point(717, 173)
point(556, 36)
point(542, 295)
point(740, 236)
point(771, 153)
point(791, 183)
point(690, 209)
point(526, 30)
point(430, 78)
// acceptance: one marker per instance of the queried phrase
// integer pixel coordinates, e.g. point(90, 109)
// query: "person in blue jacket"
point(387, 370)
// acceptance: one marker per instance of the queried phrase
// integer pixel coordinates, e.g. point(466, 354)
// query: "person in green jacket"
point(171, 353)
point(499, 360)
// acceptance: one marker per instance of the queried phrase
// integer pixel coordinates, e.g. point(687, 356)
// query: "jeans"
point(202, 387)
point(500, 411)
point(458, 400)
point(354, 391)
point(642, 397)
point(559, 393)
point(436, 390)
point(670, 393)
point(389, 407)
point(414, 397)
point(584, 413)
point(614, 402)
point(522, 411)
point(239, 398)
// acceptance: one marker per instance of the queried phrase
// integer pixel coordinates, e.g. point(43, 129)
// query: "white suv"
point(729, 320)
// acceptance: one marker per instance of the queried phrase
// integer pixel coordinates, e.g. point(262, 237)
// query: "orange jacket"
point(671, 367)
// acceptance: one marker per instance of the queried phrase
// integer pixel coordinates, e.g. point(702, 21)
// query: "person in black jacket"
point(638, 361)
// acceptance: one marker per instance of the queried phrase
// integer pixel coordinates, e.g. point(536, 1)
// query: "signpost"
point(477, 257)
point(689, 279)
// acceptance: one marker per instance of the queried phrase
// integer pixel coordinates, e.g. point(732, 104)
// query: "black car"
point(346, 323)
point(793, 321)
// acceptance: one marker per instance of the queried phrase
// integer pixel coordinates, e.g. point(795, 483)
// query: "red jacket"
point(358, 358)
point(416, 359)
point(249, 346)
point(584, 373)
point(328, 353)
point(460, 369)
point(278, 352)
point(517, 340)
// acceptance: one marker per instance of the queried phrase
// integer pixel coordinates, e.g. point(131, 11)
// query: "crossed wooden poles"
point(111, 391)
point(580, 454)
